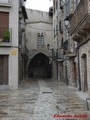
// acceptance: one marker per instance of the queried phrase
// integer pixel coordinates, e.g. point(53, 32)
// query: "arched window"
point(40, 39)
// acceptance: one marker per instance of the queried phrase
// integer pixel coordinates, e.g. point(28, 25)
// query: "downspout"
point(79, 77)
point(57, 40)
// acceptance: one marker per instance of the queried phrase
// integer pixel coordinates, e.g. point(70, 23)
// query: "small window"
point(61, 26)
point(56, 4)
point(56, 29)
point(54, 32)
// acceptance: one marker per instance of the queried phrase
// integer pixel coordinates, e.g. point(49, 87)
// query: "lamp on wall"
point(48, 46)
point(66, 21)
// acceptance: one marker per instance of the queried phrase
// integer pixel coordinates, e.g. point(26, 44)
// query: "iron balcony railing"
point(5, 35)
point(81, 13)
point(57, 54)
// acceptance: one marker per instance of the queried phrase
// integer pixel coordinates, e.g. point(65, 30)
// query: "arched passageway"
point(40, 67)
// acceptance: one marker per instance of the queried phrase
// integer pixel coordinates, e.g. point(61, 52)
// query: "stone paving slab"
point(40, 100)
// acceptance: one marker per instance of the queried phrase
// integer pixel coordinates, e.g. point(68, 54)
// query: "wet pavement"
point(40, 100)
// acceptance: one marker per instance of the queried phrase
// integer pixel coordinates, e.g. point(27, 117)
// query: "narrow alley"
point(40, 100)
point(44, 59)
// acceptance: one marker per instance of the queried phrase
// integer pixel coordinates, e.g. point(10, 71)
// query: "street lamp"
point(66, 21)
point(48, 46)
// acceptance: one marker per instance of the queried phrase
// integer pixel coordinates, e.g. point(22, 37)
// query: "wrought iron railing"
point(5, 35)
point(57, 54)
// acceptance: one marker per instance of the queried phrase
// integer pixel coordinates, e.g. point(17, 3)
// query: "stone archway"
point(84, 72)
point(40, 66)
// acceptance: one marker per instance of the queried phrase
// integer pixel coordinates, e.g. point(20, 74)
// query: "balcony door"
point(4, 19)
point(4, 23)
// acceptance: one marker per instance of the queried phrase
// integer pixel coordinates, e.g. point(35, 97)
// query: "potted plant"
point(7, 36)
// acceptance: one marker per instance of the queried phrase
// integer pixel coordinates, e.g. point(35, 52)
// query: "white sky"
point(42, 5)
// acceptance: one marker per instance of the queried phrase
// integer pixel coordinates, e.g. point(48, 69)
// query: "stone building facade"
point(78, 43)
point(39, 34)
point(79, 32)
point(58, 39)
point(75, 42)
point(9, 40)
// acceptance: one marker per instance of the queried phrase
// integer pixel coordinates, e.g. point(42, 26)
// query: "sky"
point(42, 5)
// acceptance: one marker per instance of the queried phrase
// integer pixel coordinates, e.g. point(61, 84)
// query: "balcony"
point(67, 50)
point(81, 17)
point(5, 37)
point(5, 3)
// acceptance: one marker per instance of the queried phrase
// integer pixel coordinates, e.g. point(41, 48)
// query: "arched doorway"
point(40, 67)
point(84, 72)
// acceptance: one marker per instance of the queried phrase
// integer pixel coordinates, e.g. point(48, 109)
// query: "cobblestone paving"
point(40, 100)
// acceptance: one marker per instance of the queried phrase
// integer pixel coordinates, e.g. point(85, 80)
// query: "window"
point(54, 32)
point(40, 39)
point(56, 29)
point(61, 26)
point(56, 4)
point(60, 3)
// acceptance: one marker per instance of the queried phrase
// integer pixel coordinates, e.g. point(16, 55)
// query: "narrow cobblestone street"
point(40, 100)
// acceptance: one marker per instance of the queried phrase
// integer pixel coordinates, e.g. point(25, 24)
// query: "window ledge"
point(5, 44)
point(5, 4)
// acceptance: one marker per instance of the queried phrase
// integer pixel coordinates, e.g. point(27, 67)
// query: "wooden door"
point(85, 74)
point(3, 69)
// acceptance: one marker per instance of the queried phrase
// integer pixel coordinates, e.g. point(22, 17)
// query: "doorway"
point(74, 73)
point(40, 67)
point(3, 70)
point(84, 72)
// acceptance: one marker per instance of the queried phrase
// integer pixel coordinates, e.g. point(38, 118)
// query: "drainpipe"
point(66, 74)
point(79, 78)
point(57, 37)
